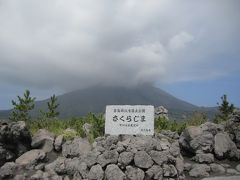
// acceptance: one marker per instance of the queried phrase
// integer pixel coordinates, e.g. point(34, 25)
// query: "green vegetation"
point(22, 107)
point(225, 110)
point(196, 119)
point(52, 108)
point(73, 127)
point(70, 127)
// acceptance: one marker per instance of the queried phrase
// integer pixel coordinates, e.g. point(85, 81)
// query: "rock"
point(134, 173)
point(37, 176)
point(155, 172)
point(238, 167)
point(108, 157)
point(223, 145)
point(8, 170)
point(188, 135)
point(39, 166)
point(170, 134)
point(15, 139)
point(125, 158)
point(179, 165)
point(175, 149)
point(203, 143)
point(160, 112)
point(77, 176)
point(96, 172)
point(76, 148)
point(187, 166)
point(87, 128)
point(20, 177)
point(159, 157)
point(233, 127)
point(225, 165)
point(217, 168)
point(58, 142)
point(31, 158)
point(90, 158)
point(141, 143)
point(68, 166)
point(212, 128)
point(164, 144)
point(204, 158)
point(43, 140)
point(113, 172)
point(111, 140)
point(232, 172)
point(199, 170)
point(169, 170)
point(143, 160)
point(223, 178)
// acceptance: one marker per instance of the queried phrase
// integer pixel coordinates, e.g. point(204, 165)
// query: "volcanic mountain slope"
point(95, 99)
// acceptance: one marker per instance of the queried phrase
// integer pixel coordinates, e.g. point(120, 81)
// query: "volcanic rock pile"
point(198, 152)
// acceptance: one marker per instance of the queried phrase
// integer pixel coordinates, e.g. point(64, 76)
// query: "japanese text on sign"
point(126, 119)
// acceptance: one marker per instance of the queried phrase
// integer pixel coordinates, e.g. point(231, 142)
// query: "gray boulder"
point(155, 172)
point(233, 127)
point(187, 166)
point(76, 148)
point(44, 140)
point(232, 172)
point(179, 165)
point(187, 136)
point(203, 143)
point(134, 173)
point(90, 158)
point(238, 167)
point(199, 170)
point(159, 157)
point(68, 166)
point(113, 172)
point(169, 170)
point(160, 112)
point(37, 176)
point(170, 134)
point(204, 158)
point(108, 157)
point(15, 139)
point(58, 142)
point(212, 128)
point(31, 158)
point(143, 160)
point(87, 128)
point(125, 158)
point(96, 173)
point(217, 168)
point(223, 145)
point(8, 170)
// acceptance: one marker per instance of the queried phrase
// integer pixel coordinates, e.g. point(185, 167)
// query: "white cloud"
point(74, 44)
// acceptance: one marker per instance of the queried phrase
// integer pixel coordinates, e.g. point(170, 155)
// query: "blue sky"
point(188, 48)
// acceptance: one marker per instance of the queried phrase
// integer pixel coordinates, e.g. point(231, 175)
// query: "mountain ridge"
point(94, 99)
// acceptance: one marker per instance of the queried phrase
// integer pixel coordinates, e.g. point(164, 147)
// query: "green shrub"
point(225, 110)
point(59, 126)
point(22, 107)
point(197, 119)
point(164, 124)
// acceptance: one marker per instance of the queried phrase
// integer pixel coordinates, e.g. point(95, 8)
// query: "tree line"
point(23, 106)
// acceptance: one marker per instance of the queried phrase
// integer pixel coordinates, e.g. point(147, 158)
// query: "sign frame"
point(129, 119)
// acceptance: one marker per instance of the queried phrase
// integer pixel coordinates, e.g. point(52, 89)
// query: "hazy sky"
point(189, 48)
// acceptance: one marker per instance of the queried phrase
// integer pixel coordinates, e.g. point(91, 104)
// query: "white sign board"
point(126, 119)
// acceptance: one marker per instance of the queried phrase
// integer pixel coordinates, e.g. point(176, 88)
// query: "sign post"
point(127, 119)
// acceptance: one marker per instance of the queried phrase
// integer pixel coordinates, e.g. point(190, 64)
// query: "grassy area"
point(73, 127)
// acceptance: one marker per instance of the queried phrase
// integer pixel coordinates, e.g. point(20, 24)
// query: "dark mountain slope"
point(95, 99)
